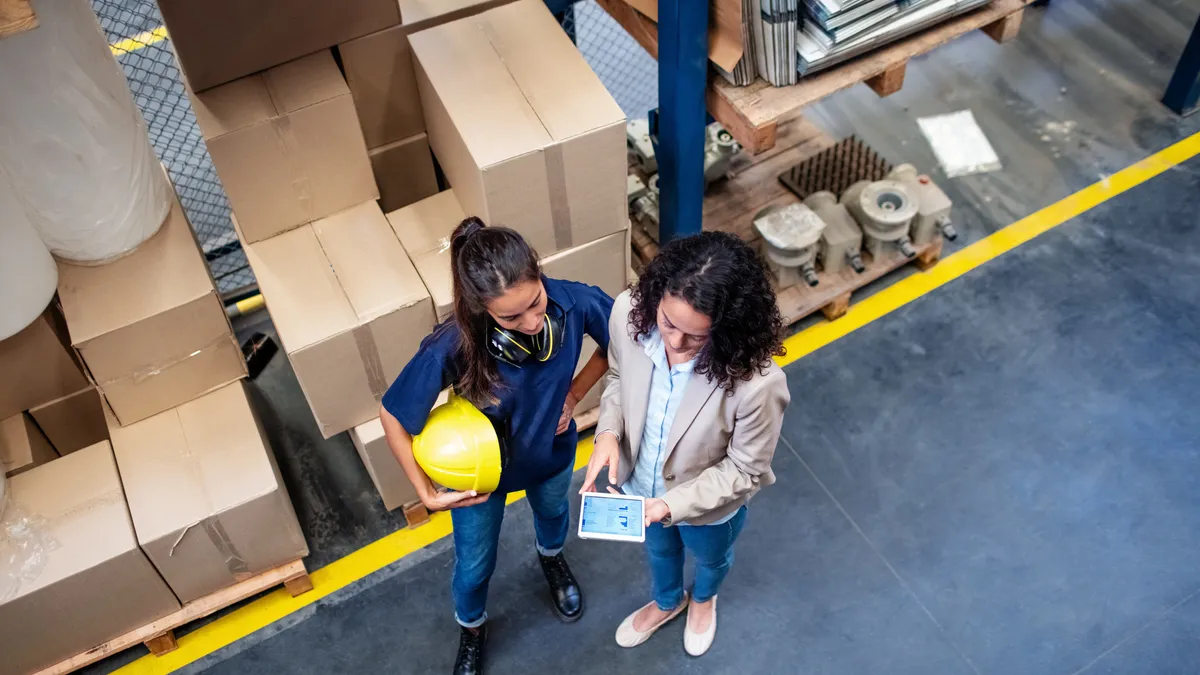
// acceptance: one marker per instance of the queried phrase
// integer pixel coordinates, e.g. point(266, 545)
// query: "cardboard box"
point(36, 365)
point(218, 41)
point(208, 503)
point(524, 131)
point(386, 473)
point(72, 422)
point(424, 228)
point(286, 145)
point(150, 327)
point(421, 14)
point(404, 172)
point(603, 263)
point(22, 445)
point(379, 72)
point(592, 399)
point(80, 578)
point(379, 69)
point(349, 308)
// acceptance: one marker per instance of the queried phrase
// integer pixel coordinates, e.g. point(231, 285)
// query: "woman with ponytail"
point(510, 349)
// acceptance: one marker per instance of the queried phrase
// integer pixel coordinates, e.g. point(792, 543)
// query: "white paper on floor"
point(959, 143)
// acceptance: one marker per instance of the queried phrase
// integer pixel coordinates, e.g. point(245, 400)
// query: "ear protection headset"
point(516, 348)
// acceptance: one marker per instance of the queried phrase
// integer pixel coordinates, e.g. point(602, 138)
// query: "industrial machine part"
point(841, 241)
point(635, 189)
point(790, 237)
point(639, 145)
point(645, 208)
point(836, 168)
point(884, 209)
point(719, 151)
point(933, 206)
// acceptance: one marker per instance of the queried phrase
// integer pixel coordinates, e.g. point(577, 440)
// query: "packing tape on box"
point(26, 541)
point(368, 352)
point(439, 246)
point(143, 373)
point(282, 126)
point(212, 526)
point(560, 206)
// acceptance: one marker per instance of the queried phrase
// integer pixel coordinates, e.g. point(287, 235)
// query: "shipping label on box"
point(74, 573)
point(218, 41)
point(546, 154)
point(73, 422)
point(404, 172)
point(150, 327)
point(37, 365)
point(349, 307)
point(208, 503)
point(286, 145)
point(424, 229)
point(22, 445)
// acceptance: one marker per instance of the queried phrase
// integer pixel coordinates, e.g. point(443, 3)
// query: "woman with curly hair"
point(690, 418)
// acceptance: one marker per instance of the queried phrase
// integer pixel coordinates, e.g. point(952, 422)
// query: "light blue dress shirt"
point(667, 386)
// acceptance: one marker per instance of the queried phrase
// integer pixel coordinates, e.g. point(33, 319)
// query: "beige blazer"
point(721, 443)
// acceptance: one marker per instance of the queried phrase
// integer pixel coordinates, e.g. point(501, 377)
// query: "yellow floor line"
point(138, 41)
point(953, 266)
point(376, 556)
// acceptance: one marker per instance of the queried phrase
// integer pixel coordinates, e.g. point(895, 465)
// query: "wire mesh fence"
point(135, 30)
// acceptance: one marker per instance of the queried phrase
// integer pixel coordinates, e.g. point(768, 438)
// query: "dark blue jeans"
point(477, 537)
point(712, 546)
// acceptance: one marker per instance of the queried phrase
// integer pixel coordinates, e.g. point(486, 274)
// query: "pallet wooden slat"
point(751, 113)
point(16, 16)
point(159, 636)
point(832, 294)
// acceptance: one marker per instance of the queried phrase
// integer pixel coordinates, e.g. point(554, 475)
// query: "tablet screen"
point(611, 516)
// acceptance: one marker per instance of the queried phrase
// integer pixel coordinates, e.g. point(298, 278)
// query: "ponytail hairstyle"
point(486, 262)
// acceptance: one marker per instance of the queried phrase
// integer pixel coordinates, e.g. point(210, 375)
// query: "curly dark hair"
point(721, 277)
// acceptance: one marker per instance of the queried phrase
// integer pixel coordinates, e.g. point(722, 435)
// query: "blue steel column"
point(1184, 89)
point(682, 78)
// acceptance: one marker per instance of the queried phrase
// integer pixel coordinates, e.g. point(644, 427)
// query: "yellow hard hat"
point(459, 447)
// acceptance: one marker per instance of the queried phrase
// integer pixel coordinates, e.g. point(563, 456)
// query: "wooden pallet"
point(832, 294)
point(754, 113)
point(159, 636)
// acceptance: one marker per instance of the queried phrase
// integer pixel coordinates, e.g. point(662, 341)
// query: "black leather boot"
point(564, 590)
point(470, 651)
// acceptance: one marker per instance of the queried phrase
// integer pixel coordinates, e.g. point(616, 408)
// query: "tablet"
point(615, 517)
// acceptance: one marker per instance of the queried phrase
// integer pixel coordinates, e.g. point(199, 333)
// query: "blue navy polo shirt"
point(533, 395)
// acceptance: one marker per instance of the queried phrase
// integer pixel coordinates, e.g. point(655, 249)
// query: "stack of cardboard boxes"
point(139, 476)
point(524, 132)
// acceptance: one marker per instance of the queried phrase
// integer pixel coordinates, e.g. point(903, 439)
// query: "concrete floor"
point(993, 479)
point(1000, 477)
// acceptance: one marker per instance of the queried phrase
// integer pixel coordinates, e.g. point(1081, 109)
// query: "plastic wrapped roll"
point(73, 142)
point(28, 275)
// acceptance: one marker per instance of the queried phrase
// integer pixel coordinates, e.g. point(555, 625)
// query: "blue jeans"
point(477, 537)
point(712, 546)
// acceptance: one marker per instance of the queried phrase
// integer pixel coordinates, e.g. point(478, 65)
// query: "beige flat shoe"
point(628, 636)
point(697, 644)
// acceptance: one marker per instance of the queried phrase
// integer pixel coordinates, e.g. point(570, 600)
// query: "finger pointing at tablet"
point(606, 452)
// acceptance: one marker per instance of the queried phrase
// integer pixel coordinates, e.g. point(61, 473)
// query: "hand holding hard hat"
point(460, 448)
